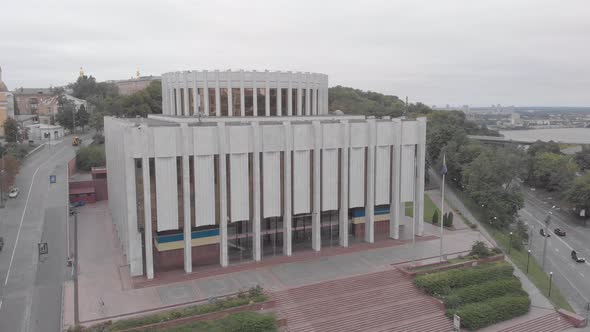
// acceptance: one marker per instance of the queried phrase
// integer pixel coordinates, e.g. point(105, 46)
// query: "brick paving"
point(382, 301)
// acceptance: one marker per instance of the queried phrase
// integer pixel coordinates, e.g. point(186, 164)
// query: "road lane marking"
point(540, 223)
point(22, 218)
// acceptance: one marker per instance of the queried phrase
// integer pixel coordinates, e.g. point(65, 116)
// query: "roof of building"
point(32, 91)
point(3, 87)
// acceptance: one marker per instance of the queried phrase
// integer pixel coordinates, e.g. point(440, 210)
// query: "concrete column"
point(178, 95)
point(164, 94)
point(147, 217)
point(256, 190)
point(287, 212)
point(267, 96)
point(420, 165)
point(217, 95)
point(230, 106)
point(343, 220)
point(307, 95)
point(290, 95)
point(196, 99)
point(186, 95)
point(134, 252)
point(396, 164)
point(314, 107)
point(205, 93)
point(242, 97)
point(254, 93)
point(279, 95)
point(186, 190)
point(299, 90)
point(370, 202)
point(223, 254)
point(316, 241)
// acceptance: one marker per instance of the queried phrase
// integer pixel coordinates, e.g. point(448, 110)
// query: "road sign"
point(43, 249)
point(52, 179)
point(456, 323)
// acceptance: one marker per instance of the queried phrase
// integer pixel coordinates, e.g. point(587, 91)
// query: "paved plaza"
point(106, 291)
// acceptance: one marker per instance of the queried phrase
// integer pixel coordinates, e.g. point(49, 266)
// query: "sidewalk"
point(104, 285)
point(540, 305)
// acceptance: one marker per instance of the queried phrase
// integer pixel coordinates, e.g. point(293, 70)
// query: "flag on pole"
point(444, 169)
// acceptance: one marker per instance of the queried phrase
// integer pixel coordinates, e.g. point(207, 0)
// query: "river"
point(564, 135)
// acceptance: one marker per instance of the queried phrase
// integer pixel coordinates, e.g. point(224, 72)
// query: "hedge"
point(237, 322)
point(482, 292)
point(481, 314)
point(442, 283)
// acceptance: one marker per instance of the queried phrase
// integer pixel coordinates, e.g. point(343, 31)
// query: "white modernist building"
point(244, 93)
point(222, 190)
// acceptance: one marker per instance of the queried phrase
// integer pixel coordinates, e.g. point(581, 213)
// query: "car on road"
point(559, 232)
point(577, 258)
point(542, 232)
point(13, 193)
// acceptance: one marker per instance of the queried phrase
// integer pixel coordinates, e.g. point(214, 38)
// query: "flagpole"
point(442, 205)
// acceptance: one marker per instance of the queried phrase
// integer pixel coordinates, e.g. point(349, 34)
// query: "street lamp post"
point(510, 244)
point(550, 282)
point(547, 222)
point(528, 259)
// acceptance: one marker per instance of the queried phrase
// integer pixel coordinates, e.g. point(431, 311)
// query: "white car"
point(13, 192)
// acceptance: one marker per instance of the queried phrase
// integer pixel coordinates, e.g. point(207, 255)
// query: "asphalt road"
point(30, 285)
point(572, 278)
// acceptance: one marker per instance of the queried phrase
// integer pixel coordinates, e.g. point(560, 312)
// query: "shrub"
point(479, 249)
point(90, 156)
point(248, 322)
point(441, 283)
point(483, 291)
point(435, 217)
point(496, 251)
point(448, 219)
point(481, 314)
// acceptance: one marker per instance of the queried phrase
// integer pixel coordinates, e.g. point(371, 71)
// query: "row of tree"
point(567, 176)
point(105, 100)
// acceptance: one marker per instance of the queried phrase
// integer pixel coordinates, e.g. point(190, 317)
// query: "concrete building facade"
point(244, 93)
point(187, 192)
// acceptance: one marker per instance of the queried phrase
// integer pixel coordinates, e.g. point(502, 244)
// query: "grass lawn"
point(536, 274)
point(429, 209)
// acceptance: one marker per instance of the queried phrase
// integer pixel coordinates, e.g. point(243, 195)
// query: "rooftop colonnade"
point(244, 93)
point(241, 186)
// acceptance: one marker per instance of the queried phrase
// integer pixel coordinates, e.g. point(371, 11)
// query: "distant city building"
point(244, 166)
point(36, 101)
point(134, 84)
point(6, 104)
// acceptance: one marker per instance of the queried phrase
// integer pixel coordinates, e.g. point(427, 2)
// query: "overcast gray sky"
point(476, 52)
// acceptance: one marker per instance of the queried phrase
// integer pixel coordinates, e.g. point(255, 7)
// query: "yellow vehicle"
point(76, 141)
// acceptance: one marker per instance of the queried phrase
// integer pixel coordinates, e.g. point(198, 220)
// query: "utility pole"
point(547, 222)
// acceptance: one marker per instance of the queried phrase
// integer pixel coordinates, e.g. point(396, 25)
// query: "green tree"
point(579, 193)
point(65, 112)
point(97, 121)
point(583, 158)
point(490, 180)
point(10, 130)
point(552, 171)
point(90, 156)
point(82, 117)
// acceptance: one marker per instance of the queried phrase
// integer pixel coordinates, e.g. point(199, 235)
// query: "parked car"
point(542, 232)
point(77, 204)
point(576, 258)
point(13, 192)
point(559, 232)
